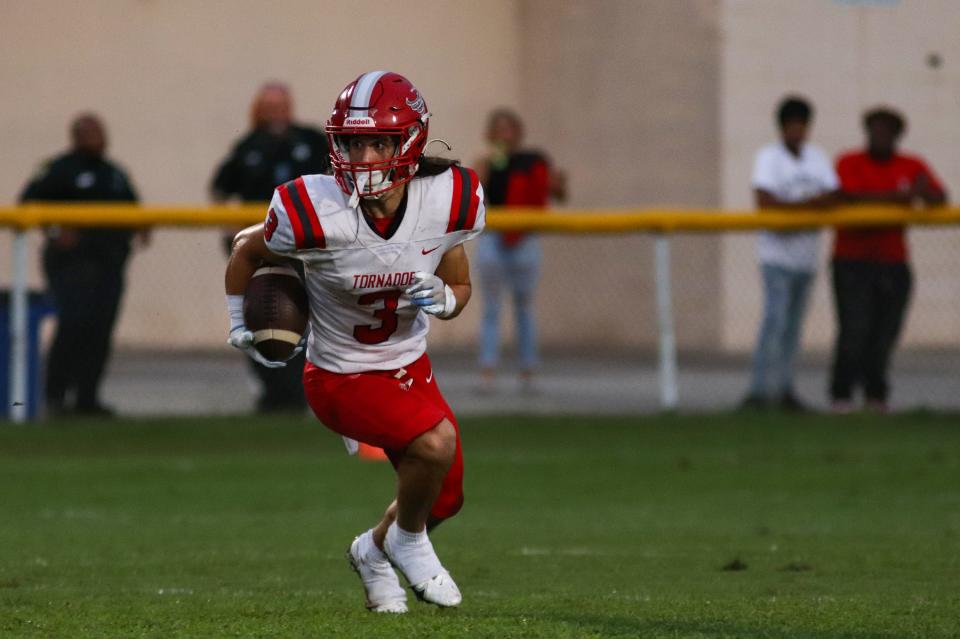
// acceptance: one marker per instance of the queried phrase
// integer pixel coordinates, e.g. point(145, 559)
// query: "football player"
point(381, 243)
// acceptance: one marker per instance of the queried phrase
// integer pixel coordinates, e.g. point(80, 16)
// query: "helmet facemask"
point(371, 180)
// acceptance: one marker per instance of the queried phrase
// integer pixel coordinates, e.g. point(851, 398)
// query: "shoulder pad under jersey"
point(453, 201)
point(308, 213)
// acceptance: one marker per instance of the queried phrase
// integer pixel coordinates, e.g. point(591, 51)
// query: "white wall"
point(642, 102)
point(845, 56)
point(174, 80)
point(622, 94)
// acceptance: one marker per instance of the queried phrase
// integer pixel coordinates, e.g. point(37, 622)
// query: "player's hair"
point(431, 165)
point(794, 108)
point(888, 115)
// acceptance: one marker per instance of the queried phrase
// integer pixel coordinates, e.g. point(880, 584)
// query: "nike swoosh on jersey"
point(426, 252)
point(430, 376)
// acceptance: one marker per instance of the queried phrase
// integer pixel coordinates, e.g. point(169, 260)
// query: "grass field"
point(572, 528)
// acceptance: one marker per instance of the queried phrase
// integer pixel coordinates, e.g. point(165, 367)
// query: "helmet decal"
point(417, 103)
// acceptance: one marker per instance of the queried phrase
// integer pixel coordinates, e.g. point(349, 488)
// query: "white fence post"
point(18, 314)
point(669, 394)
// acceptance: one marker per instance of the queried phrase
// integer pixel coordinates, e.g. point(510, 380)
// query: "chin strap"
point(359, 183)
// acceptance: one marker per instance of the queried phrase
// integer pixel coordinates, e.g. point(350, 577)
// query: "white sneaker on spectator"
point(380, 582)
point(413, 555)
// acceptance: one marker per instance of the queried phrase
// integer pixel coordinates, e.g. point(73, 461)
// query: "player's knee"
point(437, 446)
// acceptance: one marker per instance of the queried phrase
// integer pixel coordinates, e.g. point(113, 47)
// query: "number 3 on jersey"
point(387, 316)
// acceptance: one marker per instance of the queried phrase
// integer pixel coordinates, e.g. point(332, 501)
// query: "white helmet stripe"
point(361, 95)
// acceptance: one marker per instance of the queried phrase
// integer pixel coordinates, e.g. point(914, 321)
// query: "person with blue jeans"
point(511, 176)
point(516, 267)
point(789, 174)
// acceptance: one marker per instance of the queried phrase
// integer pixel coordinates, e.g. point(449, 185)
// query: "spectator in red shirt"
point(511, 176)
point(871, 274)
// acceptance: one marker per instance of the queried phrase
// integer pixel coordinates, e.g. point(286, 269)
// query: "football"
point(276, 310)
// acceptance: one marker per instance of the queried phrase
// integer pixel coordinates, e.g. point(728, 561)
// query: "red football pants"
point(387, 409)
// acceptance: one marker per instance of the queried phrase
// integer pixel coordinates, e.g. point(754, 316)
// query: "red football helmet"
point(378, 103)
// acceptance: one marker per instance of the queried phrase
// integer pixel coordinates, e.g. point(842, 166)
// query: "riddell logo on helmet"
point(359, 122)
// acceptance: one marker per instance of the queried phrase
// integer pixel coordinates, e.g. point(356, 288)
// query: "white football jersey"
point(359, 318)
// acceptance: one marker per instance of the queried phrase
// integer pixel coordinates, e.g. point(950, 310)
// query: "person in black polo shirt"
point(84, 268)
point(275, 151)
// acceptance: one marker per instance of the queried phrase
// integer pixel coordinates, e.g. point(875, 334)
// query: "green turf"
point(572, 528)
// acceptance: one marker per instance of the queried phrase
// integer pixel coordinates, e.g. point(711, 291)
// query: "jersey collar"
point(395, 223)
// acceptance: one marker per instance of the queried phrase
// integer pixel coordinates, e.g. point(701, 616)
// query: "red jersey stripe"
point(318, 238)
point(474, 201)
point(291, 215)
point(455, 200)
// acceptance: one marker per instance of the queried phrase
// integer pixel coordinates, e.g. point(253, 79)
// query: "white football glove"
point(243, 339)
point(431, 294)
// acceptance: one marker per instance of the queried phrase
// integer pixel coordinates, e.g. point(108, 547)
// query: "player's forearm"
point(877, 197)
point(766, 200)
point(246, 255)
point(462, 292)
point(454, 271)
point(933, 197)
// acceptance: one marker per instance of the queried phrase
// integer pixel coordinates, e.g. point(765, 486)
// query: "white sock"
point(368, 550)
point(405, 538)
point(413, 554)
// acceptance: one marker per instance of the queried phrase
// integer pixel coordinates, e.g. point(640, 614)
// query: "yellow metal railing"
point(660, 221)
point(657, 220)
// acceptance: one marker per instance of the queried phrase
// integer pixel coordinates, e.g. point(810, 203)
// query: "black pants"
point(871, 301)
point(87, 290)
point(282, 387)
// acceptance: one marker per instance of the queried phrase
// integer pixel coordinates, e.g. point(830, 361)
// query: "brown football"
point(276, 310)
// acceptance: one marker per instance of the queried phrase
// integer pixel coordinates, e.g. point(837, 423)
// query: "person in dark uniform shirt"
point(84, 268)
point(512, 176)
point(275, 151)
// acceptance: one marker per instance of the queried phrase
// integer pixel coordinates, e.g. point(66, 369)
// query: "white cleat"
point(380, 582)
point(440, 590)
point(413, 555)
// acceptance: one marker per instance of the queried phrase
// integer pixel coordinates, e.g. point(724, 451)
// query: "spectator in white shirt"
point(787, 175)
